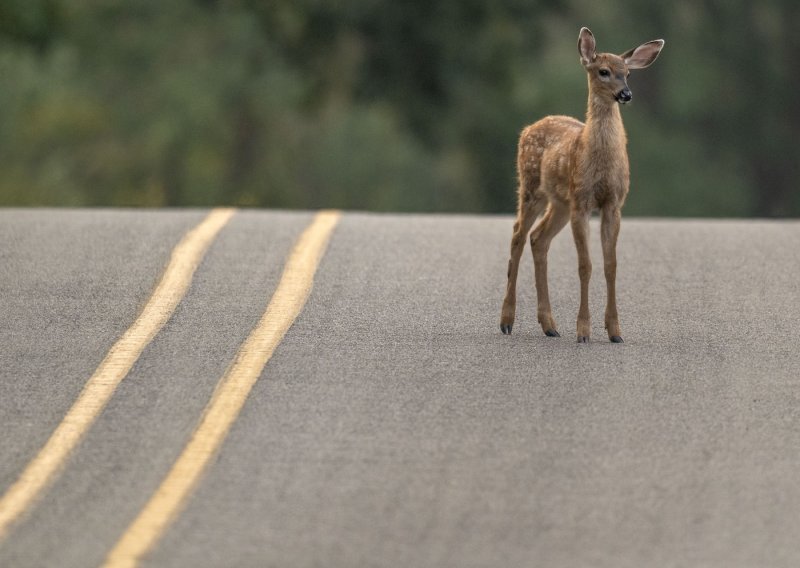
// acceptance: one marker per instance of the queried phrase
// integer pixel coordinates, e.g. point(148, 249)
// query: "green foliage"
point(375, 105)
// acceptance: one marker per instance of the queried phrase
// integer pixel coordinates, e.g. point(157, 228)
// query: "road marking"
point(229, 397)
point(36, 477)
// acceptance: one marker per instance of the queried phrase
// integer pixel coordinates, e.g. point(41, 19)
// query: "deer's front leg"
point(609, 231)
point(580, 231)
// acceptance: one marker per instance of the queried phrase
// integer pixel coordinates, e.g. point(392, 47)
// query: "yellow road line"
point(123, 354)
point(229, 396)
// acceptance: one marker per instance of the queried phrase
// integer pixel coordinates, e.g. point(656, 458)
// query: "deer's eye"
point(605, 73)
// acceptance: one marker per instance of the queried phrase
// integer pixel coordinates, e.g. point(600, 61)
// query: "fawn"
point(568, 169)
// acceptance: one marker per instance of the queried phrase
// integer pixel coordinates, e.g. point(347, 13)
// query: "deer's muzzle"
point(624, 96)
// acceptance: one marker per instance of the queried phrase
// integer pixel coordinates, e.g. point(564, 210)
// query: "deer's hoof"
point(583, 339)
point(552, 333)
point(616, 339)
point(506, 328)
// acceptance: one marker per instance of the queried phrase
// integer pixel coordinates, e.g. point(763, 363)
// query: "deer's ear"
point(642, 56)
point(586, 46)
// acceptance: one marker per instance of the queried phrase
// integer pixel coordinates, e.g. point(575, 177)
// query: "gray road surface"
point(395, 426)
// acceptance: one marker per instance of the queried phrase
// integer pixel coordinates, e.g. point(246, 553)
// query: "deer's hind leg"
point(554, 219)
point(530, 207)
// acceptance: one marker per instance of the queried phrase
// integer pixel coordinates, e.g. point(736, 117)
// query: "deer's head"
point(608, 73)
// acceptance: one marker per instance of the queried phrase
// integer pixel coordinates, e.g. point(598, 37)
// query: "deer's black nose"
point(625, 95)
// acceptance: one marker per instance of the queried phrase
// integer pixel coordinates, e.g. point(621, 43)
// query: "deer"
point(567, 170)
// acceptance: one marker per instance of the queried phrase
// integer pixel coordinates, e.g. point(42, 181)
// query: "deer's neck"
point(604, 133)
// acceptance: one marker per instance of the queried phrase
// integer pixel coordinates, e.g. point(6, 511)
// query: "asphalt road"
point(395, 425)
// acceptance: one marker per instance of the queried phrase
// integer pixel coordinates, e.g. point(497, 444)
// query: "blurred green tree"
point(375, 105)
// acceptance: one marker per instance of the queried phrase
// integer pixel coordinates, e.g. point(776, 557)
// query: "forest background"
point(385, 105)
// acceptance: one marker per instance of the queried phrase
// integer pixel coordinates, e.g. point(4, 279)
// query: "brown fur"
point(566, 170)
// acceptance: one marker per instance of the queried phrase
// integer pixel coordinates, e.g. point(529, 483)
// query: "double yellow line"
point(221, 411)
